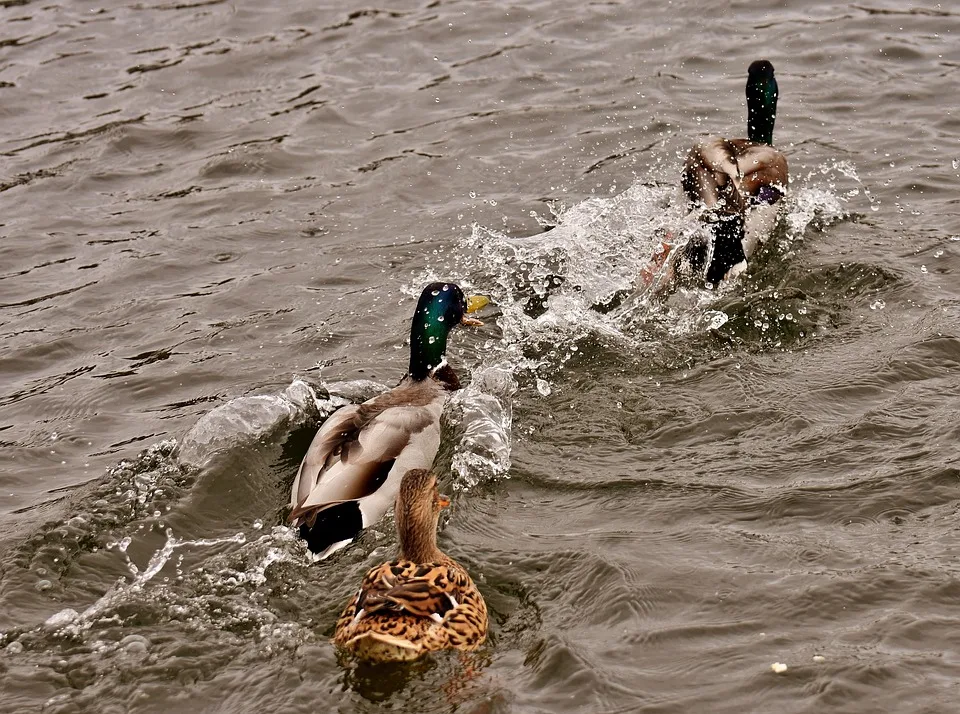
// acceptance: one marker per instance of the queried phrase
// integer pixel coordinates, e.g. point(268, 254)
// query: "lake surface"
point(211, 210)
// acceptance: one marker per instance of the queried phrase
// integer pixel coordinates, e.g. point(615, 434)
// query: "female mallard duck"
point(352, 471)
point(422, 602)
point(738, 183)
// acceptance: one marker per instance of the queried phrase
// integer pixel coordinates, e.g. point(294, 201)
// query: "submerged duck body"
point(423, 601)
point(351, 473)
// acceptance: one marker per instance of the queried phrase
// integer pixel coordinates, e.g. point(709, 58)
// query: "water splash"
point(554, 288)
point(576, 283)
point(206, 615)
point(251, 419)
point(127, 509)
point(131, 496)
point(580, 278)
point(823, 197)
point(69, 622)
point(483, 452)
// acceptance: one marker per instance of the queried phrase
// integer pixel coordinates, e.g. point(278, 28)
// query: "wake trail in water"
point(135, 501)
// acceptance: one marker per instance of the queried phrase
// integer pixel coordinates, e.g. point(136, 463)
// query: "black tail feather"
point(336, 523)
point(727, 247)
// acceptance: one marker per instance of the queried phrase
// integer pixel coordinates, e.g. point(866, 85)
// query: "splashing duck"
point(737, 185)
point(421, 602)
point(351, 473)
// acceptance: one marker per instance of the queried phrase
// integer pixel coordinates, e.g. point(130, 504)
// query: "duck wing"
point(427, 590)
point(711, 174)
point(760, 165)
point(324, 447)
point(362, 451)
point(732, 172)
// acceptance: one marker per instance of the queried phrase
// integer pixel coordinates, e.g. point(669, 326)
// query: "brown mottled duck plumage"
point(422, 602)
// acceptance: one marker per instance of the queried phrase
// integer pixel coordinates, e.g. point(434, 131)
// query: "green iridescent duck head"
point(762, 94)
point(442, 306)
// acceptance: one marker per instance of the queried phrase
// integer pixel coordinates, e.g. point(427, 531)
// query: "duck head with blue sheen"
point(442, 307)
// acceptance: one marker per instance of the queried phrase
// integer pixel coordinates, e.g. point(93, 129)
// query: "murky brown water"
point(205, 201)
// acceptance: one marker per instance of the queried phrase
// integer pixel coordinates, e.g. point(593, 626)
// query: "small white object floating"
point(778, 667)
point(818, 658)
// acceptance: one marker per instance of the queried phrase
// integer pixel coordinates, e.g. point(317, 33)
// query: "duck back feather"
point(354, 466)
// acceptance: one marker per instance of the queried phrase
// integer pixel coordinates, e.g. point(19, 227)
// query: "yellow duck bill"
point(474, 303)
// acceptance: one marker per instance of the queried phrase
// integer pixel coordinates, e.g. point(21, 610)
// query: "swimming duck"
point(422, 602)
point(737, 183)
point(351, 473)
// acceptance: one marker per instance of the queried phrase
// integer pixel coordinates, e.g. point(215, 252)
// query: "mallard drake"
point(422, 602)
point(351, 473)
point(736, 184)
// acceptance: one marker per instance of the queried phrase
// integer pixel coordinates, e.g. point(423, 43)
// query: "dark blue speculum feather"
point(440, 309)
point(768, 195)
point(762, 94)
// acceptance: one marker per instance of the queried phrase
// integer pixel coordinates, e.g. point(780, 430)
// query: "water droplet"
point(434, 292)
point(14, 648)
point(431, 340)
point(877, 305)
point(440, 318)
point(543, 386)
point(923, 269)
point(718, 318)
point(135, 644)
point(61, 619)
point(445, 288)
point(955, 163)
